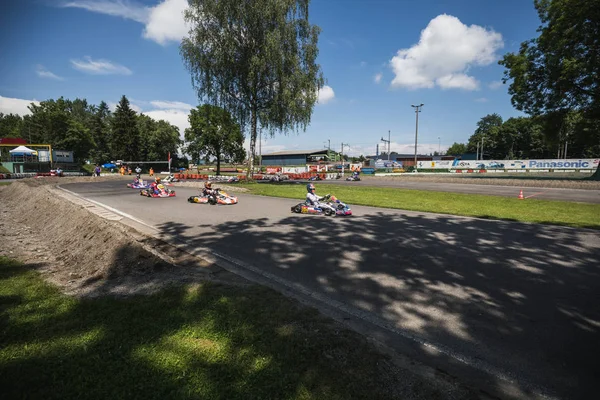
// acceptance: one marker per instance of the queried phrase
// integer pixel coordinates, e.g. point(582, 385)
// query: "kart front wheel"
point(329, 212)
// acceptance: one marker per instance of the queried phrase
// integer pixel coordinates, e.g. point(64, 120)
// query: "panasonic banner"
point(548, 164)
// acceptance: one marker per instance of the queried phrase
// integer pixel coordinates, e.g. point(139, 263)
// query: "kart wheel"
point(297, 209)
point(329, 212)
point(212, 201)
point(191, 199)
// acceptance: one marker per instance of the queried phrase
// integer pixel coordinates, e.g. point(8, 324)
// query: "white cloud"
point(177, 105)
point(100, 67)
point(9, 105)
point(163, 22)
point(495, 85)
point(166, 22)
point(325, 95)
point(178, 118)
point(378, 77)
point(481, 100)
point(44, 73)
point(116, 8)
point(446, 50)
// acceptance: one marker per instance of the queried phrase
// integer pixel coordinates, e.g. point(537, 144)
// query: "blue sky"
point(378, 58)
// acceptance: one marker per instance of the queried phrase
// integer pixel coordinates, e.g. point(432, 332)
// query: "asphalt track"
point(510, 306)
point(575, 195)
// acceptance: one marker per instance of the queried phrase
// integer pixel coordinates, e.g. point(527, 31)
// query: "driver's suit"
point(313, 199)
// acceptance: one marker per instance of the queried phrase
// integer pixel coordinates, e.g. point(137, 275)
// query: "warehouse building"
point(296, 157)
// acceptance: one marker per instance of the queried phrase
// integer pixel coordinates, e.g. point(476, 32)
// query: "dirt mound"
point(82, 252)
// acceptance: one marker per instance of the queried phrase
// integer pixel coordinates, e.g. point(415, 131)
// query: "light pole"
point(417, 111)
point(388, 143)
point(439, 146)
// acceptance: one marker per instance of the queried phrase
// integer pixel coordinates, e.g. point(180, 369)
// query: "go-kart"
point(138, 185)
point(219, 197)
point(353, 178)
point(330, 206)
point(169, 179)
point(162, 192)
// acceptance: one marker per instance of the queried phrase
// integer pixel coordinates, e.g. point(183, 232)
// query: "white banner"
point(575, 163)
point(294, 170)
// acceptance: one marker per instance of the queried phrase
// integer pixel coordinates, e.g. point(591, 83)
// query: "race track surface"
point(540, 193)
point(516, 301)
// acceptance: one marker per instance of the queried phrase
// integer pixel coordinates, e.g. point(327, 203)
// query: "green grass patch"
point(204, 341)
point(5, 183)
point(471, 205)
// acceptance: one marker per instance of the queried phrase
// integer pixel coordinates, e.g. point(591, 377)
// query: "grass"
point(471, 205)
point(202, 341)
point(5, 183)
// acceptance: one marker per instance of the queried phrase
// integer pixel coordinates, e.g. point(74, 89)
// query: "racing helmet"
point(208, 185)
point(310, 187)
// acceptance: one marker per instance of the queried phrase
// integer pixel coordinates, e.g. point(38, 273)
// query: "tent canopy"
point(21, 150)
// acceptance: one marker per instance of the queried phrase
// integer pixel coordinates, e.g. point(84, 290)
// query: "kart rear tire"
point(212, 201)
point(329, 212)
point(297, 209)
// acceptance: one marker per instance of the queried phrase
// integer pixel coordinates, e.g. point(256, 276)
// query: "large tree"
point(11, 125)
point(486, 133)
point(558, 73)
point(125, 133)
point(457, 149)
point(214, 133)
point(256, 59)
point(100, 131)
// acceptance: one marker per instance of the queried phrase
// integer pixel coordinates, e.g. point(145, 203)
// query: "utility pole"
point(388, 143)
point(260, 152)
point(439, 146)
point(417, 111)
point(481, 148)
point(342, 156)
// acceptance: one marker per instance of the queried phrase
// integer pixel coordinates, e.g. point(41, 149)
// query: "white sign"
point(574, 163)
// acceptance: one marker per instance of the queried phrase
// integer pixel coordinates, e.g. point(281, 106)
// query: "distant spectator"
point(97, 170)
point(151, 171)
point(138, 170)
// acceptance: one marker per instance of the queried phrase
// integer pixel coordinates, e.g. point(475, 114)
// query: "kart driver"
point(208, 190)
point(311, 196)
point(155, 184)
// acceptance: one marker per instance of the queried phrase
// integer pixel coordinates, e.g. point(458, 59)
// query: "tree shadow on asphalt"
point(521, 297)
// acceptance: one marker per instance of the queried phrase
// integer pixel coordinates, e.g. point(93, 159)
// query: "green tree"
point(213, 133)
point(76, 138)
point(487, 129)
point(457, 149)
point(11, 125)
point(100, 132)
point(559, 70)
point(256, 59)
point(125, 133)
point(558, 73)
point(157, 139)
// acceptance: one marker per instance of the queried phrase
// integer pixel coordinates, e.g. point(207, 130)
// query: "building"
point(296, 157)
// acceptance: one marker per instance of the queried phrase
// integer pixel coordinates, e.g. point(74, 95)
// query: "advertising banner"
point(541, 164)
point(294, 170)
point(273, 170)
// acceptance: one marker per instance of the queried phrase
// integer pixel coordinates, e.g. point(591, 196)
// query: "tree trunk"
point(218, 164)
point(254, 118)
point(596, 175)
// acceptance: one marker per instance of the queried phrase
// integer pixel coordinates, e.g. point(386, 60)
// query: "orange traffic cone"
point(521, 195)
